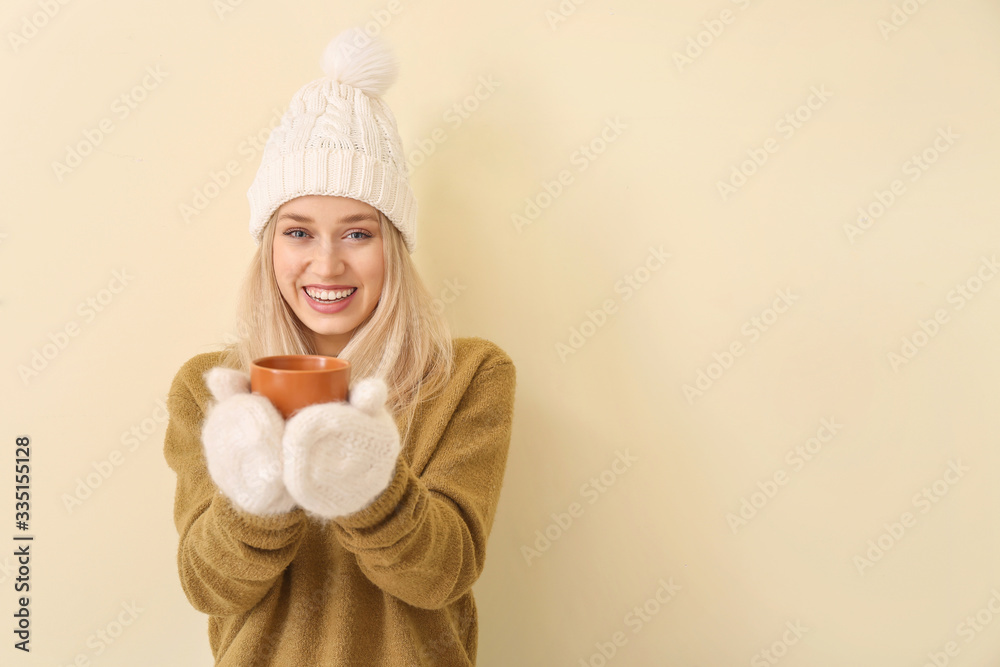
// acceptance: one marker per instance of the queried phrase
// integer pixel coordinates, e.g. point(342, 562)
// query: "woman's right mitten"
point(242, 436)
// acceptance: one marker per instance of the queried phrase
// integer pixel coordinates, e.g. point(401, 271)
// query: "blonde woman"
point(352, 532)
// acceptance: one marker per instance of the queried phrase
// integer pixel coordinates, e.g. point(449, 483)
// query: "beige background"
point(683, 129)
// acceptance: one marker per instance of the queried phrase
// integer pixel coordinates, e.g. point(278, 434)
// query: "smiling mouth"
point(329, 296)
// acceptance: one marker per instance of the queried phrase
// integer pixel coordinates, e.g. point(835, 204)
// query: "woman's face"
point(325, 247)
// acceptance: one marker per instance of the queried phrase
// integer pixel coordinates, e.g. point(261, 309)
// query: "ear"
point(225, 382)
point(369, 395)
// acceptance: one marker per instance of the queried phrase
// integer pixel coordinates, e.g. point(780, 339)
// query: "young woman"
point(352, 533)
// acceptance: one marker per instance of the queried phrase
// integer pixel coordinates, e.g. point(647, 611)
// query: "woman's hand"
point(339, 457)
point(242, 438)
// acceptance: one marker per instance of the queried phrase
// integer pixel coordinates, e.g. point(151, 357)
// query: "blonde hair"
point(404, 340)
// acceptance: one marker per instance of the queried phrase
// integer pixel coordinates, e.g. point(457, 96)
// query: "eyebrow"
point(356, 217)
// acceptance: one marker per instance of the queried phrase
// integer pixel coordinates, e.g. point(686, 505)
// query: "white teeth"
point(329, 295)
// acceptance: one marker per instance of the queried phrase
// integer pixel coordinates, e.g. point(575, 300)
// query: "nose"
point(327, 260)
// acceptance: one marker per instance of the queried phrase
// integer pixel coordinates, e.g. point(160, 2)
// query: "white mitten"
point(242, 438)
point(339, 457)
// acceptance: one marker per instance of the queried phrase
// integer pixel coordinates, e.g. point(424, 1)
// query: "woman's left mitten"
point(339, 457)
point(242, 438)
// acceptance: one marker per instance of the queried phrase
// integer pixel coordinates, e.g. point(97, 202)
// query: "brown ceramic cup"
point(294, 381)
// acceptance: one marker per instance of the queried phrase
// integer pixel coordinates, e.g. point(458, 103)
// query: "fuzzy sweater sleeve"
point(423, 540)
point(227, 559)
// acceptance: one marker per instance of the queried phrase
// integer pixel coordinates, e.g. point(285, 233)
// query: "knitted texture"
point(338, 457)
point(338, 137)
point(390, 585)
point(242, 438)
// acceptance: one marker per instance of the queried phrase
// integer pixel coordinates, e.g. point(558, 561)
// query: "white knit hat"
point(338, 137)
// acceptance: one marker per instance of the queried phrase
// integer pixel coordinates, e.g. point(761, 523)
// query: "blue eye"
point(295, 234)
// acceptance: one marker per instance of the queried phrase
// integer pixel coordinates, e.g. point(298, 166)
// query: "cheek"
point(376, 269)
point(284, 267)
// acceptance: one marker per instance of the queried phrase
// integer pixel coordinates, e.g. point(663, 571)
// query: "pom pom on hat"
point(338, 137)
point(360, 60)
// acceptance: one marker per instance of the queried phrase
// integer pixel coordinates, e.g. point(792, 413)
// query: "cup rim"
point(259, 363)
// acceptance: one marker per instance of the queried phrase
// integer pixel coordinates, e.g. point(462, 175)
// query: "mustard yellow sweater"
point(389, 585)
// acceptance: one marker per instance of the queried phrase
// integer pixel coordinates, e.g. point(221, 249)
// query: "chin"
point(328, 330)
